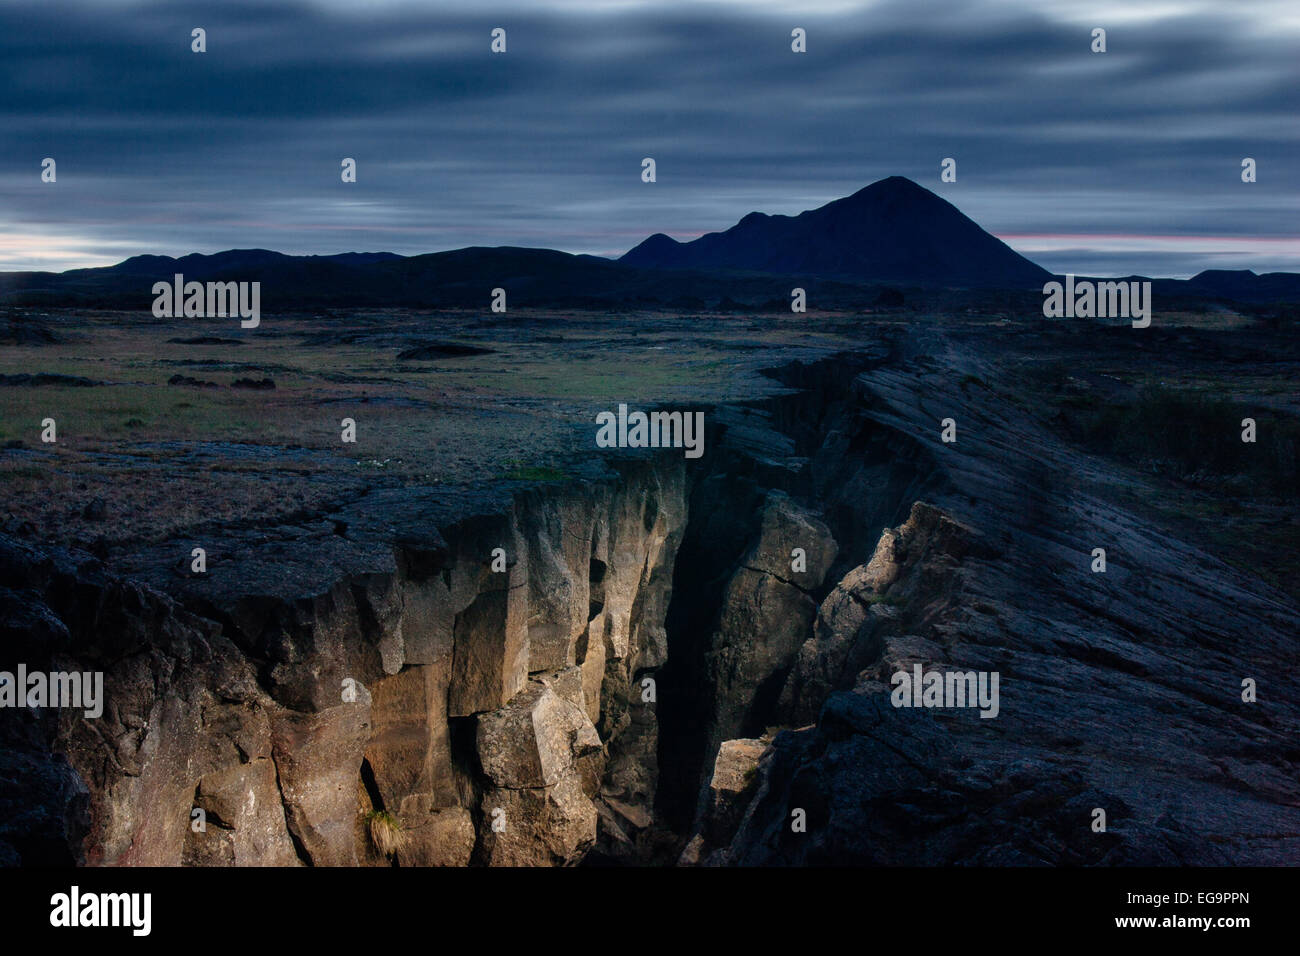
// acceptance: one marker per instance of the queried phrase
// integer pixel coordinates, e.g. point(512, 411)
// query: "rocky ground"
point(644, 673)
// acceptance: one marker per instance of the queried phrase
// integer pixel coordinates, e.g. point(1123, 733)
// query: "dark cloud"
point(163, 150)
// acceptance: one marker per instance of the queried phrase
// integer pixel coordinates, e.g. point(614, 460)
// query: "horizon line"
point(1032, 242)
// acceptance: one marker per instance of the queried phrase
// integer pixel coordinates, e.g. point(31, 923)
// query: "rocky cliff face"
point(670, 663)
point(456, 704)
point(1121, 692)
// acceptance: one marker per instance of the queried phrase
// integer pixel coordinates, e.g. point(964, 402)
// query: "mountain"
point(1240, 287)
point(462, 278)
point(890, 231)
point(201, 267)
point(1245, 286)
point(852, 253)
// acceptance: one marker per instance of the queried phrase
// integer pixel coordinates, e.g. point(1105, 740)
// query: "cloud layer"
point(1122, 162)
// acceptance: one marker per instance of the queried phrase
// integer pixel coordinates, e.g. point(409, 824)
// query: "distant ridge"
point(200, 266)
point(890, 231)
point(863, 251)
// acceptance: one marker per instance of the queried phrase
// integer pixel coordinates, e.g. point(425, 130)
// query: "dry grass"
point(167, 458)
point(385, 832)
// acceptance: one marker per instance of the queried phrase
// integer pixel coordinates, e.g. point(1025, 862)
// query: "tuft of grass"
point(518, 471)
point(1185, 434)
point(386, 832)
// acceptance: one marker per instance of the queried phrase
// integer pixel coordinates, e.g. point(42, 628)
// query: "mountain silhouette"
point(848, 254)
point(892, 230)
point(199, 266)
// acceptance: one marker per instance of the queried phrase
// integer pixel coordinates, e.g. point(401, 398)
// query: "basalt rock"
point(1119, 691)
point(724, 800)
point(586, 671)
point(262, 729)
point(911, 576)
point(767, 612)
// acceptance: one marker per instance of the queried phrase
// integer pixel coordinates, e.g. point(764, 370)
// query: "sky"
point(1113, 163)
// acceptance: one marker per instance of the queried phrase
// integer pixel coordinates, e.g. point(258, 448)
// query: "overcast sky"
point(1115, 163)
